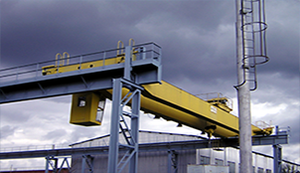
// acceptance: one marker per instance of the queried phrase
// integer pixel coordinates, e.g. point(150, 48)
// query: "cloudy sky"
point(199, 56)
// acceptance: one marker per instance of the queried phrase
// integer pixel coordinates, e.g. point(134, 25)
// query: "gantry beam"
point(172, 103)
point(163, 146)
point(83, 73)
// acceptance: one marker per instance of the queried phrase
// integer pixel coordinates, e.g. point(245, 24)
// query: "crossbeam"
point(82, 74)
point(162, 146)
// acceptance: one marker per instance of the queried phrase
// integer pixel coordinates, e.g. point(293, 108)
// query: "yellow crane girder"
point(163, 100)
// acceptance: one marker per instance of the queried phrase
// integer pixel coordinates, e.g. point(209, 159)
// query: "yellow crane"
point(163, 100)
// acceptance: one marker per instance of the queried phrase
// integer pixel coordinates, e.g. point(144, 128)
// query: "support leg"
point(47, 165)
point(135, 130)
point(83, 164)
point(114, 128)
point(277, 158)
point(119, 122)
point(172, 161)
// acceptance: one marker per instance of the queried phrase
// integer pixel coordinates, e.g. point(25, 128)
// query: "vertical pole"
point(55, 165)
point(211, 156)
point(114, 128)
point(169, 161)
point(225, 157)
point(243, 98)
point(92, 165)
point(83, 164)
point(128, 68)
point(47, 165)
point(133, 165)
point(172, 161)
point(277, 158)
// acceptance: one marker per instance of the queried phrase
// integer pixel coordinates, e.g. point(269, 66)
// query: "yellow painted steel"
point(53, 69)
point(172, 103)
point(60, 67)
point(175, 104)
point(85, 113)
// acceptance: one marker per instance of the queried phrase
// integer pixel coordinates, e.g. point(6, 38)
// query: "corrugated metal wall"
point(149, 162)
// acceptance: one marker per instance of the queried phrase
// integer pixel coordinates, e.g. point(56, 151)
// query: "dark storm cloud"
point(35, 31)
point(191, 33)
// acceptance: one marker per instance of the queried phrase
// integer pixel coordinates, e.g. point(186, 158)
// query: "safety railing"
point(66, 64)
point(4, 149)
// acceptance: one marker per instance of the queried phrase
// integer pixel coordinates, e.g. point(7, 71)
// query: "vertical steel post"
point(243, 97)
point(114, 127)
point(169, 161)
point(47, 165)
point(83, 164)
point(128, 68)
point(133, 164)
point(55, 165)
point(277, 158)
point(118, 121)
point(225, 157)
point(172, 161)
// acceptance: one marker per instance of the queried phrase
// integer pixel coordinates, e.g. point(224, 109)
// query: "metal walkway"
point(28, 82)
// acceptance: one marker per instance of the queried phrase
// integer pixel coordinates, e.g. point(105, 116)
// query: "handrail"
point(118, 46)
point(35, 69)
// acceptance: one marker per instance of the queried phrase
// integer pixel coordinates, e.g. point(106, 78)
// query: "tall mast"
point(251, 51)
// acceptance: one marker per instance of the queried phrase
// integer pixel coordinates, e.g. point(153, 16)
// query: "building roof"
point(144, 137)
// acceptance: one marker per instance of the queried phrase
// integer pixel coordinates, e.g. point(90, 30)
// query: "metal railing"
point(35, 70)
point(32, 148)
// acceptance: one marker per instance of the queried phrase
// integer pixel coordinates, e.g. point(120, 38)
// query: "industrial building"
point(156, 154)
point(169, 160)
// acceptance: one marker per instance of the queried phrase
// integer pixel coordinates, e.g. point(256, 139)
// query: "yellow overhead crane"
point(163, 100)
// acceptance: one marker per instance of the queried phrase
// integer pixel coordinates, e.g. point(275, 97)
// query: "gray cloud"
point(7, 131)
point(55, 134)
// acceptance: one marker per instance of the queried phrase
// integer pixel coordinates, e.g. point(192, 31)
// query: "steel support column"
point(277, 158)
point(114, 127)
point(135, 105)
point(118, 123)
point(48, 161)
point(54, 165)
point(89, 161)
point(172, 161)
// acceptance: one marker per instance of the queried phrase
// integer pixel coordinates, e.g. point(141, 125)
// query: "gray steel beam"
point(162, 146)
point(27, 82)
